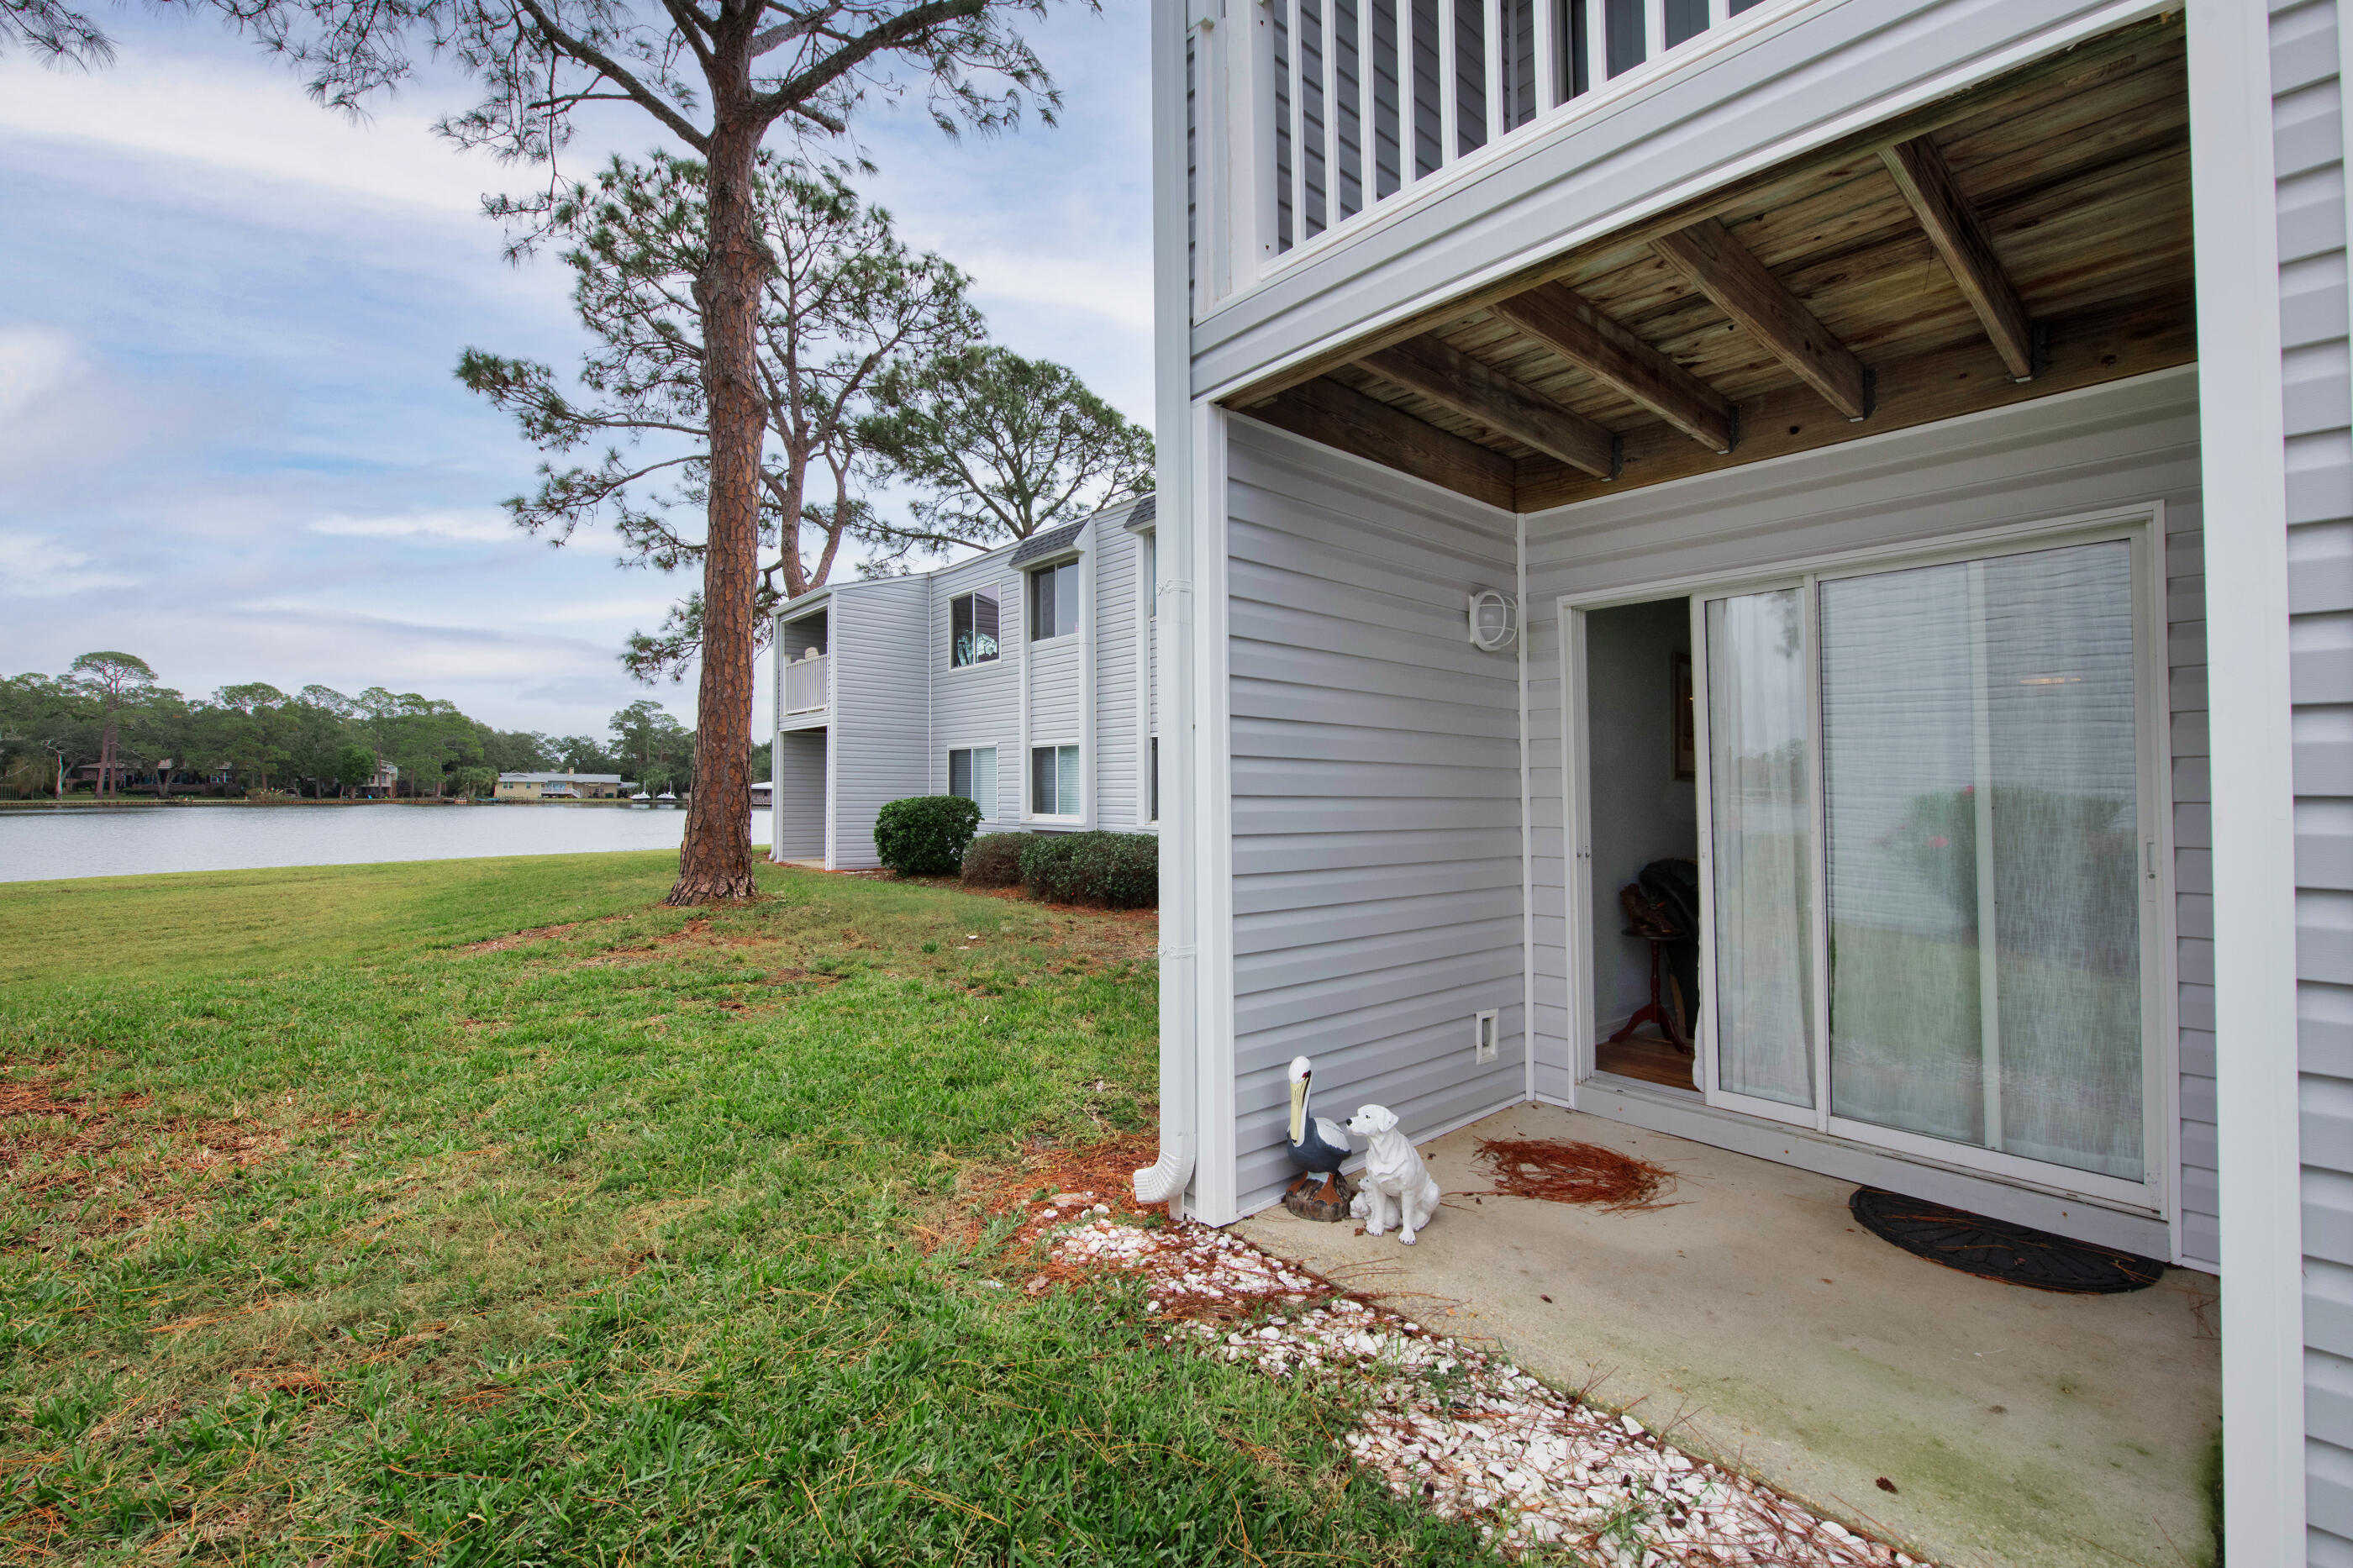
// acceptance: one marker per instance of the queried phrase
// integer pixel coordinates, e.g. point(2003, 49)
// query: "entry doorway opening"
point(1641, 762)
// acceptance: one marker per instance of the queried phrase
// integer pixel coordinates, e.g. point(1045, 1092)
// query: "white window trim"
point(2158, 1194)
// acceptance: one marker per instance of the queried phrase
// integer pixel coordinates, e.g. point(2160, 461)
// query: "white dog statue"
point(1395, 1188)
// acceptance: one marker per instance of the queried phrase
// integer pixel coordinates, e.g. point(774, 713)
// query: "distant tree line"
point(107, 726)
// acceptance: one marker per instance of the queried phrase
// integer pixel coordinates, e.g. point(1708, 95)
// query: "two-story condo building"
point(1022, 680)
point(1903, 447)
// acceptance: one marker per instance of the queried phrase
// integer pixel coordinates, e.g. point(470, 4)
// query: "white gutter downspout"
point(1527, 822)
point(1165, 1181)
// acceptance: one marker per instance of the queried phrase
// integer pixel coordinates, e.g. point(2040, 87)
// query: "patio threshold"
point(1755, 1323)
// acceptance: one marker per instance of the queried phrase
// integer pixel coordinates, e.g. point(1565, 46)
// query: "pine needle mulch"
point(1562, 1171)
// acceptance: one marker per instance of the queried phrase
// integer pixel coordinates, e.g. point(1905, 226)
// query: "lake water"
point(126, 840)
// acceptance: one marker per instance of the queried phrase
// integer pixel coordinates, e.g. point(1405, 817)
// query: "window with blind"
point(1054, 785)
point(972, 774)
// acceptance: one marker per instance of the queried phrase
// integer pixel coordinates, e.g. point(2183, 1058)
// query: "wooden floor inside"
point(1649, 1060)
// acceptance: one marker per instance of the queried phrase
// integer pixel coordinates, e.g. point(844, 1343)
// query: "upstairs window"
point(1054, 602)
point(1150, 574)
point(972, 628)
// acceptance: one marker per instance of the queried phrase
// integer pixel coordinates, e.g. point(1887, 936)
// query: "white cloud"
point(33, 566)
point(1118, 291)
point(243, 118)
point(35, 365)
point(602, 611)
point(478, 526)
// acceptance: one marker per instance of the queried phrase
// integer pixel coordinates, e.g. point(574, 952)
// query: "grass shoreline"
point(485, 1211)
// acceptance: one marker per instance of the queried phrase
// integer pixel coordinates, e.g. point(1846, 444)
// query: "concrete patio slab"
point(2016, 1427)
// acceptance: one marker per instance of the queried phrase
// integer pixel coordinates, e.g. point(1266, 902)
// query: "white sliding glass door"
point(1929, 853)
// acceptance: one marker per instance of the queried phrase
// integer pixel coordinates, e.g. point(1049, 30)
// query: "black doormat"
point(1996, 1250)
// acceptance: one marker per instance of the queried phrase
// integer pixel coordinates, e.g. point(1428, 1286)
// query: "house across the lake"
point(1021, 680)
point(1883, 463)
point(531, 786)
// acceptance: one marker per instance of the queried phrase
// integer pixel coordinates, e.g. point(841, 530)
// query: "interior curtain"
point(1760, 810)
point(1980, 800)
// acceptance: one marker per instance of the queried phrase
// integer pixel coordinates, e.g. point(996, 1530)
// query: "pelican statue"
point(1317, 1145)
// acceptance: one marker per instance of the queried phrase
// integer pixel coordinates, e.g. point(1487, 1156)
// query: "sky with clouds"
point(230, 439)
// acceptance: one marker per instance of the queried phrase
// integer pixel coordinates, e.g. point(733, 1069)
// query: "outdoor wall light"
point(1494, 620)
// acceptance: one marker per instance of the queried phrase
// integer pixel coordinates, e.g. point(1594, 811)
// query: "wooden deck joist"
point(1921, 173)
point(1448, 375)
point(2032, 229)
point(1742, 289)
point(1554, 316)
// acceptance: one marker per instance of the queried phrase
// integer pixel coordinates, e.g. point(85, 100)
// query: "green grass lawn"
point(337, 1228)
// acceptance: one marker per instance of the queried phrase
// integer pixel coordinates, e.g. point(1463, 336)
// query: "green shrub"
point(925, 834)
point(1120, 870)
point(993, 860)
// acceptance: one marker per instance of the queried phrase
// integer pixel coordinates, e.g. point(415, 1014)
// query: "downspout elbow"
point(1163, 1181)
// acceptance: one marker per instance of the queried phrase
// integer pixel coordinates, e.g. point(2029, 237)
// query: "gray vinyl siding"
point(979, 705)
point(797, 784)
point(2308, 147)
point(1115, 557)
point(1796, 86)
point(1375, 797)
point(2122, 444)
point(881, 739)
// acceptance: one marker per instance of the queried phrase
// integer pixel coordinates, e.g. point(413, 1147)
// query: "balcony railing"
point(1338, 106)
point(804, 684)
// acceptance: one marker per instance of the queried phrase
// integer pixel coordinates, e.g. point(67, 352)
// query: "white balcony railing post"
point(1368, 129)
point(1552, 62)
point(1449, 86)
point(1495, 96)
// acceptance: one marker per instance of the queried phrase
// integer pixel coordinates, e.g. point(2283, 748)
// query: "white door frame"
point(2143, 525)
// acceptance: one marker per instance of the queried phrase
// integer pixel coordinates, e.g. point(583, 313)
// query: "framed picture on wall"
point(1687, 736)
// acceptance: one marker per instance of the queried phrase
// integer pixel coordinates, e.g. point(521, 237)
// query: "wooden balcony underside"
point(2040, 223)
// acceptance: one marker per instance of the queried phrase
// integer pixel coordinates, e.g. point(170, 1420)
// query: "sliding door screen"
point(1926, 833)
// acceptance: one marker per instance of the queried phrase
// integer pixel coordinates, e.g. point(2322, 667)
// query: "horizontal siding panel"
point(1290, 814)
point(1270, 700)
point(1282, 932)
point(1304, 963)
point(1345, 744)
point(1374, 1026)
point(1270, 854)
point(1262, 893)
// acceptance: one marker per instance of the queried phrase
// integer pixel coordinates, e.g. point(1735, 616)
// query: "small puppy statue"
point(1395, 1187)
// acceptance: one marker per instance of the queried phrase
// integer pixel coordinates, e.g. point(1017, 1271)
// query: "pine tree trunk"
point(715, 863)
